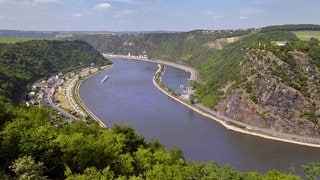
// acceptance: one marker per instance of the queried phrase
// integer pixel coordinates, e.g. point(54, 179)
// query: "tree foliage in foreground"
point(31, 146)
point(26, 168)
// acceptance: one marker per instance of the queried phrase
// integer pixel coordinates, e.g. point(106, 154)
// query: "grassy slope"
point(306, 35)
point(14, 40)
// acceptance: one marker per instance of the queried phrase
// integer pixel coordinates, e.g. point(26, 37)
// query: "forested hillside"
point(257, 81)
point(268, 77)
point(292, 27)
point(23, 63)
point(191, 47)
point(38, 143)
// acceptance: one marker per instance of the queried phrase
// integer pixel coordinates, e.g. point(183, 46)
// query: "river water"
point(129, 97)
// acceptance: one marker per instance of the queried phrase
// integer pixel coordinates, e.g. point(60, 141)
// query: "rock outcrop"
point(275, 96)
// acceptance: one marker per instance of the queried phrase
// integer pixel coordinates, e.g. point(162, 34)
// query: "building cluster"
point(61, 85)
point(129, 56)
point(280, 43)
point(44, 90)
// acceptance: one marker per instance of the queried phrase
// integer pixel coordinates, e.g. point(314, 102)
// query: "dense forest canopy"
point(32, 147)
point(184, 46)
point(292, 27)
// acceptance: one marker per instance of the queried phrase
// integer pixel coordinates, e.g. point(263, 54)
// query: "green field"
point(14, 40)
point(306, 35)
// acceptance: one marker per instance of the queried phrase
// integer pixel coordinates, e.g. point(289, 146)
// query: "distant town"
point(57, 92)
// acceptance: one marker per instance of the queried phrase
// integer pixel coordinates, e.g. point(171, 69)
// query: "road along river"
point(129, 97)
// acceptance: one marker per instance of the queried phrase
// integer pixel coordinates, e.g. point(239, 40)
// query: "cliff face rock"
point(275, 94)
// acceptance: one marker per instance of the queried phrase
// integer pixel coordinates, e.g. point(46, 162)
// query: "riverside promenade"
point(227, 122)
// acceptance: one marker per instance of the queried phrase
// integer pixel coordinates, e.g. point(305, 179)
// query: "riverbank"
point(194, 75)
point(74, 102)
point(225, 121)
point(83, 106)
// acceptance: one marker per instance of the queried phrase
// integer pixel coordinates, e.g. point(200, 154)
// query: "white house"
point(281, 43)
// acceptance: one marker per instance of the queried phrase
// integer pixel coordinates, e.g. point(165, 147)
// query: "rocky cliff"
point(280, 94)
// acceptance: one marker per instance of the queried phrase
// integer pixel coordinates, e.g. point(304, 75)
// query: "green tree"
point(132, 141)
point(5, 113)
point(312, 171)
point(90, 173)
point(26, 168)
point(192, 98)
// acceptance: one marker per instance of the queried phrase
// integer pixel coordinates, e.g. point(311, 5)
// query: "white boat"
point(104, 79)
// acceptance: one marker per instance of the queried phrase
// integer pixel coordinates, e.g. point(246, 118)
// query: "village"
point(57, 92)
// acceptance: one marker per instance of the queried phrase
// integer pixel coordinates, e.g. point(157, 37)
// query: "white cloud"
point(77, 15)
point(102, 6)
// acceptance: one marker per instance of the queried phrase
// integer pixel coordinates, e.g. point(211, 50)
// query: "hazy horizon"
point(153, 15)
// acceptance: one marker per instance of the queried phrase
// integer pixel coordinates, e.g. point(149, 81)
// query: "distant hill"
point(171, 46)
point(28, 34)
point(292, 27)
point(25, 62)
point(268, 77)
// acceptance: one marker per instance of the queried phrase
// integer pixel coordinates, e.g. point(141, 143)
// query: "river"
point(129, 97)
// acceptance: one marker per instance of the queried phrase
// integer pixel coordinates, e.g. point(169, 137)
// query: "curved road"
point(54, 106)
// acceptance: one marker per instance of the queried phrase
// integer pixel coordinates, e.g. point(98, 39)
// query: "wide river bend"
point(129, 97)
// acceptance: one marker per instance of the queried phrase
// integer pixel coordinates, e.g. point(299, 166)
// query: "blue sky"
point(146, 15)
